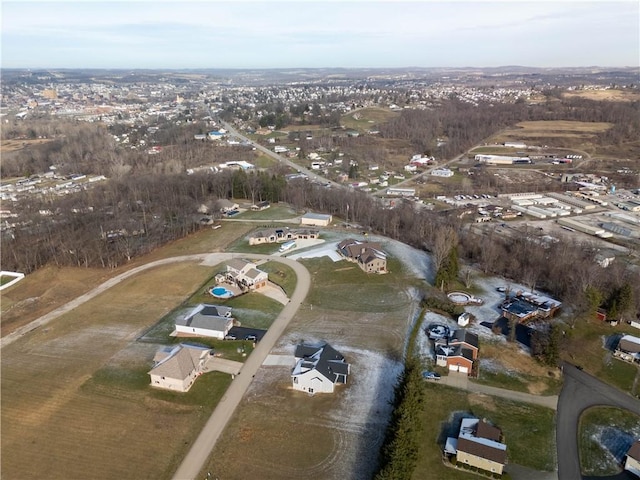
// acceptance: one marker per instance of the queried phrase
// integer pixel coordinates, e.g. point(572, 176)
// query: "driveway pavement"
point(579, 392)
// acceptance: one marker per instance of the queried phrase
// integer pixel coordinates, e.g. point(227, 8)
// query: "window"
point(311, 390)
point(295, 380)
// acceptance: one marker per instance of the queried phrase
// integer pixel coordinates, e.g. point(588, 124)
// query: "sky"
point(311, 34)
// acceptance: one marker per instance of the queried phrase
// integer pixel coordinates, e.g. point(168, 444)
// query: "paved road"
point(309, 173)
point(201, 449)
point(580, 391)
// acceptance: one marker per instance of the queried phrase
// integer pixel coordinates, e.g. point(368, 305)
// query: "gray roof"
point(210, 317)
point(183, 360)
point(323, 358)
point(238, 263)
point(465, 336)
point(317, 216)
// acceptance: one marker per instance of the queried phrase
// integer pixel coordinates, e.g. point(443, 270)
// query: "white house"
point(316, 219)
point(318, 368)
point(245, 274)
point(206, 321)
point(177, 367)
point(442, 172)
point(632, 463)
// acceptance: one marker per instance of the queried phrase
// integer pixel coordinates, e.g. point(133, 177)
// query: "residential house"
point(368, 255)
point(632, 462)
point(279, 235)
point(524, 307)
point(225, 206)
point(258, 207)
point(478, 445)
point(319, 368)
point(628, 349)
point(316, 219)
point(245, 274)
point(176, 367)
point(206, 321)
point(458, 352)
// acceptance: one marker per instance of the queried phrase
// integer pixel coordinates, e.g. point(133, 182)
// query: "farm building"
point(316, 219)
point(206, 321)
point(176, 367)
point(478, 445)
point(318, 369)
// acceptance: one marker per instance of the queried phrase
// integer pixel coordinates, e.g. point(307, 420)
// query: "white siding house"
point(206, 321)
point(318, 368)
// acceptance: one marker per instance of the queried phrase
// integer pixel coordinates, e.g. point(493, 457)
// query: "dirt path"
point(461, 381)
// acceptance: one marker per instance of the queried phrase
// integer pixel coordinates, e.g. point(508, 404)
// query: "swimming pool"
point(221, 292)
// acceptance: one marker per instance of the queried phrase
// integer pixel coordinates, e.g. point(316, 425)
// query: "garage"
point(458, 368)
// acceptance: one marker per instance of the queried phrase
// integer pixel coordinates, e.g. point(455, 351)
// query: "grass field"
point(606, 433)
point(290, 435)
point(606, 95)
point(13, 145)
point(528, 430)
point(551, 129)
point(61, 383)
point(367, 118)
point(274, 212)
point(281, 275)
point(584, 347)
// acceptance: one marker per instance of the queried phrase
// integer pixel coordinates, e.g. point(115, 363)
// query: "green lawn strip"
point(519, 382)
point(274, 212)
point(281, 275)
point(6, 279)
point(528, 430)
point(594, 458)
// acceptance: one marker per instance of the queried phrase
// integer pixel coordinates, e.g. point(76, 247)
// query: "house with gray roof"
point(628, 349)
point(318, 369)
point(206, 321)
point(176, 367)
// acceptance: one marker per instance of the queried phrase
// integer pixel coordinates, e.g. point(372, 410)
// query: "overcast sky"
point(267, 34)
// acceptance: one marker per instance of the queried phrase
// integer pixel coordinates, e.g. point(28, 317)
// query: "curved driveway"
point(202, 447)
point(579, 392)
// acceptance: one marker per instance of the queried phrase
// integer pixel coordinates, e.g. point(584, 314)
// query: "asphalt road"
point(580, 391)
point(201, 449)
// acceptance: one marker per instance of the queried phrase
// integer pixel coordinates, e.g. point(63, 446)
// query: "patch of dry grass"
point(14, 145)
point(606, 95)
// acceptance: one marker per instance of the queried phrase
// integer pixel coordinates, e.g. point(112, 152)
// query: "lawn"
point(61, 382)
point(281, 275)
point(528, 430)
point(367, 118)
point(274, 212)
point(605, 435)
point(584, 347)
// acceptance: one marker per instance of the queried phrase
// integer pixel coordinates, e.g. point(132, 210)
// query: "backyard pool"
point(221, 292)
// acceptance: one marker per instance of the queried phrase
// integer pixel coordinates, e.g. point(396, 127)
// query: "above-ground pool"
point(221, 292)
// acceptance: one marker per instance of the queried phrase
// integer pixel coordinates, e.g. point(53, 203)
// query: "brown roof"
point(634, 451)
point(485, 430)
point(482, 451)
point(180, 365)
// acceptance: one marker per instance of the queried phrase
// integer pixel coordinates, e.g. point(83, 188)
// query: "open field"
point(14, 145)
point(606, 95)
point(50, 287)
point(556, 133)
point(528, 430)
point(291, 435)
point(367, 118)
point(281, 275)
point(60, 383)
point(605, 435)
point(274, 212)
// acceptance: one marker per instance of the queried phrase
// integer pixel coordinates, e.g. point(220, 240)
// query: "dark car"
point(431, 376)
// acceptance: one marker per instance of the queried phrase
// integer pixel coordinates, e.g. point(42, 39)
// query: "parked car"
point(431, 376)
point(252, 338)
point(230, 337)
